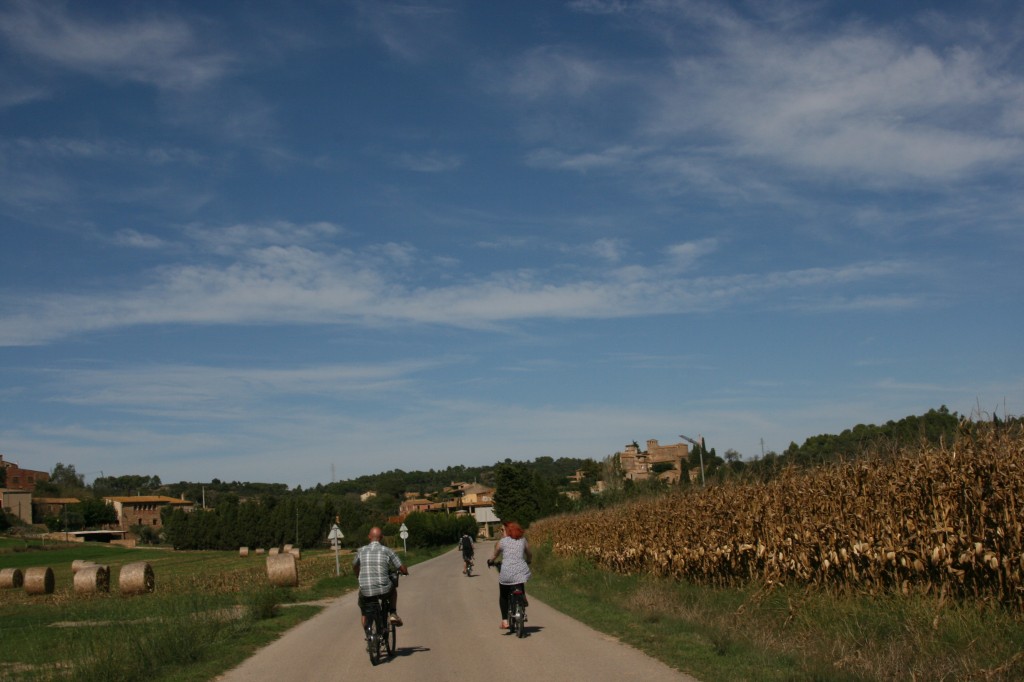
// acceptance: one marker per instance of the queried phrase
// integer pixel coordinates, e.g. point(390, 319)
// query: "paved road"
point(451, 632)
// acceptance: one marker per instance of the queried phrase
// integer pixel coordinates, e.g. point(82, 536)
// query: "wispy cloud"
point(618, 157)
point(409, 30)
point(687, 253)
point(214, 393)
point(99, 149)
point(244, 236)
point(549, 71)
point(611, 250)
point(299, 285)
point(12, 94)
point(845, 101)
point(427, 162)
point(137, 240)
point(160, 51)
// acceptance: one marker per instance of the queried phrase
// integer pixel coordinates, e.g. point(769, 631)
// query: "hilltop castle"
point(667, 462)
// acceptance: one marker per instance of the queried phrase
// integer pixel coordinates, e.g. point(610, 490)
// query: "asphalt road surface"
point(451, 632)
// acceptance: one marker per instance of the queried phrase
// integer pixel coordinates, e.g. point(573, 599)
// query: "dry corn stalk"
point(941, 519)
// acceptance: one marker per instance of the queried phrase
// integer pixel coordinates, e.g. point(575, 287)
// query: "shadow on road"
point(527, 631)
point(410, 650)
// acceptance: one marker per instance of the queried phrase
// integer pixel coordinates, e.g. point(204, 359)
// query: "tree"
point(521, 494)
point(126, 485)
point(611, 472)
point(64, 475)
point(94, 512)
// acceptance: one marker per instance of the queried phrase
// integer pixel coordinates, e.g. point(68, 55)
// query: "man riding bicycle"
point(377, 568)
point(466, 545)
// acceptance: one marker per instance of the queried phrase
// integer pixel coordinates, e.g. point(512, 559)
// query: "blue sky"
point(272, 241)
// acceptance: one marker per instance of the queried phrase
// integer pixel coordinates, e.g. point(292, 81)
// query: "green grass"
point(209, 611)
point(786, 634)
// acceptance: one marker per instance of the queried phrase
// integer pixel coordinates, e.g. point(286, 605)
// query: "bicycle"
point(516, 607)
point(469, 566)
point(517, 613)
point(380, 631)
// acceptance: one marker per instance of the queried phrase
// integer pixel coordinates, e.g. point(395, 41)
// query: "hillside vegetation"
point(938, 518)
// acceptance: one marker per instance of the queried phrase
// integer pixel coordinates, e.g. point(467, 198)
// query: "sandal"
point(504, 625)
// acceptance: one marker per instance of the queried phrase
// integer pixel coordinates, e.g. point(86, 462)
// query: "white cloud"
point(790, 98)
point(409, 31)
point(159, 51)
point(138, 240)
point(13, 95)
point(687, 253)
point(243, 236)
point(610, 250)
point(298, 285)
point(548, 71)
point(428, 163)
point(216, 393)
point(857, 105)
point(618, 157)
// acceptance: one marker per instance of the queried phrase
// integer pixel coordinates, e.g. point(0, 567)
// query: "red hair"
point(513, 530)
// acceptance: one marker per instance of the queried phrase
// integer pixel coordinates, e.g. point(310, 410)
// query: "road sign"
point(334, 536)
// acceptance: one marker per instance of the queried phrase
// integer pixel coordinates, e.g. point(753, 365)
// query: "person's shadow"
point(528, 630)
point(409, 650)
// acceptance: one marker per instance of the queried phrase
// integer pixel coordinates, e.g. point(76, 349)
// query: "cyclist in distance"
point(515, 555)
point(466, 545)
point(377, 568)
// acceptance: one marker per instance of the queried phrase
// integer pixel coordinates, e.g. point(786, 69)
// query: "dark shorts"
point(367, 604)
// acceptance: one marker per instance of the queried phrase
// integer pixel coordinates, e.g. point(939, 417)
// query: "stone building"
point(43, 507)
point(17, 503)
point(21, 479)
point(667, 462)
point(144, 510)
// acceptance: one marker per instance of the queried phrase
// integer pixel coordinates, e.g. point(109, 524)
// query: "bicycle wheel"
point(520, 621)
point(373, 644)
point(390, 637)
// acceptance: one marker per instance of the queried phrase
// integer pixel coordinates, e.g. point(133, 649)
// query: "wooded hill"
point(271, 513)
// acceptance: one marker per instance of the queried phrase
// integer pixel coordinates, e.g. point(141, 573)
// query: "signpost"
point(334, 536)
point(403, 532)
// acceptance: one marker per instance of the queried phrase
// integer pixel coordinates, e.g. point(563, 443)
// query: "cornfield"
point(940, 519)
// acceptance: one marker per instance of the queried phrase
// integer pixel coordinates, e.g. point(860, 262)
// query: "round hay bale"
point(274, 551)
point(260, 551)
point(243, 551)
point(92, 579)
point(295, 552)
point(136, 578)
point(282, 571)
point(39, 580)
point(287, 548)
point(11, 578)
point(78, 564)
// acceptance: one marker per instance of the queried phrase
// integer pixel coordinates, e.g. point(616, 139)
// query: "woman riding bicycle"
point(515, 566)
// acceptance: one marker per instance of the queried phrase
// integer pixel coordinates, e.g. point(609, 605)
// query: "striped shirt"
point(375, 562)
